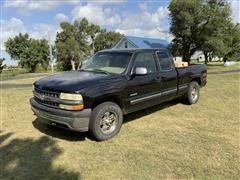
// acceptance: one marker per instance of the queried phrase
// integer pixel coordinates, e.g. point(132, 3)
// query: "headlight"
point(74, 97)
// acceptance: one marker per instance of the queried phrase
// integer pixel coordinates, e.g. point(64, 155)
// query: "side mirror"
point(140, 71)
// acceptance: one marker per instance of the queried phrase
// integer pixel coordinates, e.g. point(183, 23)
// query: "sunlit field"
point(170, 141)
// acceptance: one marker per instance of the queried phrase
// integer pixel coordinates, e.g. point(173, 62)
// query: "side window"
point(164, 60)
point(145, 60)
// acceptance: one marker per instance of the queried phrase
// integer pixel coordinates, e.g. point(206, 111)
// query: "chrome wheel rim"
point(108, 122)
point(194, 94)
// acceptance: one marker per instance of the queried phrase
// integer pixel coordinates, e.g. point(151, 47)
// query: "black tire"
point(100, 121)
point(193, 93)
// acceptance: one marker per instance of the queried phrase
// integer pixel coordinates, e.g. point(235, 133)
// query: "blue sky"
point(147, 18)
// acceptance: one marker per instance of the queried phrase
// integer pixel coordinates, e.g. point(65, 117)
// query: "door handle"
point(163, 77)
point(157, 78)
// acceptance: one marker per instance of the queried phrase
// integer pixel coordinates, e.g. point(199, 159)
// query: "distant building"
point(177, 58)
point(140, 42)
point(199, 56)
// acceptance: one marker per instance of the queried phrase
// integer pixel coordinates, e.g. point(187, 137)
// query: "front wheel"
point(106, 121)
point(193, 93)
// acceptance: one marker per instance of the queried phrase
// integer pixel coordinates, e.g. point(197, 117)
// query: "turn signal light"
point(71, 107)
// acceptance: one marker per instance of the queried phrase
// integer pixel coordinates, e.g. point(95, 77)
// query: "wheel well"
point(113, 99)
point(198, 80)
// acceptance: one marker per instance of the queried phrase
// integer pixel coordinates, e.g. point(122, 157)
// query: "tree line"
point(1, 64)
point(75, 42)
point(204, 25)
point(197, 25)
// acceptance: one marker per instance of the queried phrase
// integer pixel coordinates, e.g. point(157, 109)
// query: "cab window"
point(145, 60)
point(164, 60)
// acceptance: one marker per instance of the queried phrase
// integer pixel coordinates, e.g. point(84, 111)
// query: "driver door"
point(141, 88)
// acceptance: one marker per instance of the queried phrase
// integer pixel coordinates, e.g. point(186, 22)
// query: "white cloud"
point(145, 19)
point(153, 33)
point(44, 31)
point(14, 26)
point(145, 23)
point(60, 17)
point(142, 23)
point(104, 2)
point(15, 3)
point(10, 28)
point(37, 5)
point(95, 14)
point(235, 5)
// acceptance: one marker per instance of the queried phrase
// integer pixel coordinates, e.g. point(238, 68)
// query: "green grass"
point(13, 72)
point(218, 66)
point(168, 141)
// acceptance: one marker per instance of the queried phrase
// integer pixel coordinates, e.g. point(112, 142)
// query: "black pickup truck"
point(111, 84)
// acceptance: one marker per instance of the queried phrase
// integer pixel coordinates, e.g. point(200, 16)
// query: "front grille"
point(46, 94)
point(48, 103)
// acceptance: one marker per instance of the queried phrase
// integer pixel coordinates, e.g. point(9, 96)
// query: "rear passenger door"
point(168, 75)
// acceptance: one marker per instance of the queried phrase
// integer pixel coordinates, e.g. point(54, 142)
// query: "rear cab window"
point(164, 60)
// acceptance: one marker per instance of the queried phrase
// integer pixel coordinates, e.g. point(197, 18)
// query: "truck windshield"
point(109, 62)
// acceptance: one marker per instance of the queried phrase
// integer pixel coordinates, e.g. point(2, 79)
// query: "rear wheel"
point(193, 93)
point(106, 121)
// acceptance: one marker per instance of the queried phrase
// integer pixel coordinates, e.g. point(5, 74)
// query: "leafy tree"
point(229, 47)
point(80, 39)
point(28, 52)
point(71, 44)
point(93, 31)
point(16, 46)
point(217, 30)
point(199, 25)
point(235, 53)
point(1, 64)
point(106, 40)
point(36, 54)
point(187, 25)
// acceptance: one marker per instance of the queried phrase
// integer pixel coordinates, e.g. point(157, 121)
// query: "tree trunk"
point(206, 57)
point(93, 47)
point(79, 65)
point(73, 65)
point(225, 59)
point(210, 57)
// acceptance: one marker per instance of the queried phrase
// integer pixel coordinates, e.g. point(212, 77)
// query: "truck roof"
point(131, 50)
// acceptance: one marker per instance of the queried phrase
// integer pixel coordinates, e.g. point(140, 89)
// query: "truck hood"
point(72, 81)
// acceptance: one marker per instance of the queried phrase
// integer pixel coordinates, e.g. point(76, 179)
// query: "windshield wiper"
point(100, 70)
point(96, 70)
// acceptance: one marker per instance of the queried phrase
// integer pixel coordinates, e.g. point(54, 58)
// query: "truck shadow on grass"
point(81, 136)
point(58, 132)
point(31, 159)
point(136, 115)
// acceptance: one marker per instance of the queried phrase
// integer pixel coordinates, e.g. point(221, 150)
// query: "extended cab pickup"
point(111, 84)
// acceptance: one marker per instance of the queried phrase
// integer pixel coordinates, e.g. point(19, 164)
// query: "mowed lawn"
point(168, 141)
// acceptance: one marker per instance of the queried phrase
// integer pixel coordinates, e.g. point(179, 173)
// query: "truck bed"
point(186, 74)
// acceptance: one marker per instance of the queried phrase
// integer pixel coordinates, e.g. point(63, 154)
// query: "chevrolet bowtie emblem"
point(41, 96)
